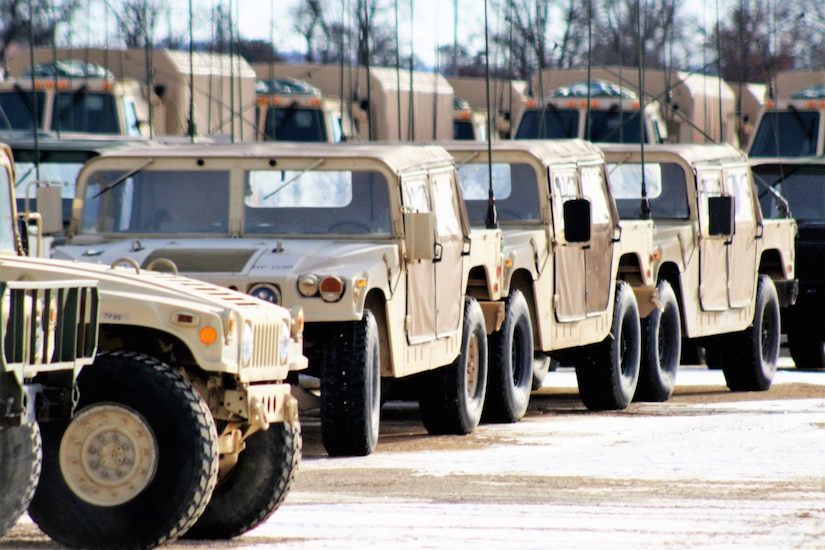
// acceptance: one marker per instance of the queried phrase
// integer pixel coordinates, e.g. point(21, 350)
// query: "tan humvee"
point(571, 271)
point(371, 240)
point(138, 463)
point(723, 270)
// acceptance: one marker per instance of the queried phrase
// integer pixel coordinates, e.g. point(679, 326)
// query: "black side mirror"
point(720, 216)
point(577, 220)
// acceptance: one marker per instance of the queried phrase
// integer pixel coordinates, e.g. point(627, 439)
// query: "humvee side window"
point(666, 200)
point(514, 188)
point(157, 201)
point(593, 188)
point(7, 221)
point(416, 198)
point(445, 206)
point(740, 186)
point(305, 202)
point(564, 189)
point(711, 186)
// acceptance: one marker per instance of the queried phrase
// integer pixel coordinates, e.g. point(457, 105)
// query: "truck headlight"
point(283, 342)
point(247, 343)
point(267, 293)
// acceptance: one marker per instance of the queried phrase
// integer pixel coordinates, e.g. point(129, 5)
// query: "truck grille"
point(204, 261)
point(53, 324)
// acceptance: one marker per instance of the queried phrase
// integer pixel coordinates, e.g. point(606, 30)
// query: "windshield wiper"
point(123, 178)
point(782, 203)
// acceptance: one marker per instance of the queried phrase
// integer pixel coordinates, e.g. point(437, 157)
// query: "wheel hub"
point(108, 455)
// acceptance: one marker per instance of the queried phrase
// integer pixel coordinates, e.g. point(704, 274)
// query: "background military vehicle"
point(572, 274)
point(614, 115)
point(293, 110)
point(73, 96)
point(370, 240)
point(507, 98)
point(791, 123)
point(187, 392)
point(678, 106)
point(379, 103)
point(215, 91)
point(723, 269)
point(798, 185)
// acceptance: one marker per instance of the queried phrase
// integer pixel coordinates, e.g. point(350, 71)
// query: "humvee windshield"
point(514, 187)
point(802, 186)
point(157, 201)
point(667, 201)
point(790, 133)
point(316, 202)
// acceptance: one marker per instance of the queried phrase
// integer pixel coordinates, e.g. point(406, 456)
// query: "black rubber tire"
point(451, 398)
point(749, 358)
point(182, 435)
point(351, 388)
point(20, 459)
point(510, 371)
point(661, 348)
point(806, 340)
point(255, 487)
point(608, 373)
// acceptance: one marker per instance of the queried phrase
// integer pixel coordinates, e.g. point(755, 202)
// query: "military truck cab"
point(791, 126)
point(723, 269)
point(293, 110)
point(72, 96)
point(600, 112)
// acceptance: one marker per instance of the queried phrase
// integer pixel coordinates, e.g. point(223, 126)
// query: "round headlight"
point(283, 342)
point(247, 343)
point(308, 285)
point(266, 293)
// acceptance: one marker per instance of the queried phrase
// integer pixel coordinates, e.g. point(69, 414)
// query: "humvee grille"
point(211, 260)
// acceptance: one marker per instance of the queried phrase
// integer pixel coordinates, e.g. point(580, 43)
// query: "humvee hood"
point(210, 257)
point(147, 285)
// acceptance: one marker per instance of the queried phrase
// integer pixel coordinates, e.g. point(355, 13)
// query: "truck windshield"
point(786, 134)
point(613, 126)
point(665, 185)
point(17, 110)
point(81, 111)
point(514, 186)
point(294, 124)
point(558, 124)
point(157, 202)
point(317, 202)
point(802, 186)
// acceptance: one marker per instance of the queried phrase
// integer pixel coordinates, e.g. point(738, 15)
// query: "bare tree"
point(757, 38)
point(22, 21)
point(136, 21)
point(308, 21)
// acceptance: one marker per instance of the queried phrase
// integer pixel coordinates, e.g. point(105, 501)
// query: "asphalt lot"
point(707, 469)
